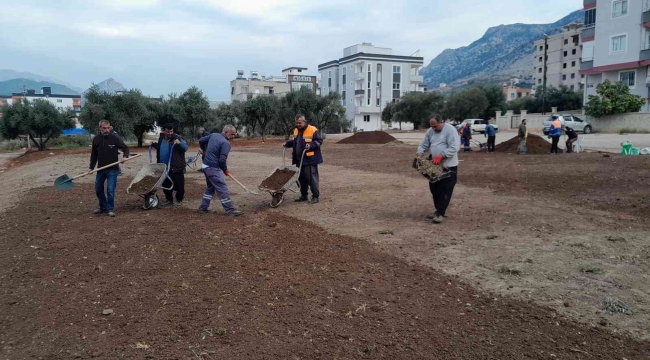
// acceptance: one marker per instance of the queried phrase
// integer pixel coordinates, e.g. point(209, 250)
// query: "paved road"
point(604, 142)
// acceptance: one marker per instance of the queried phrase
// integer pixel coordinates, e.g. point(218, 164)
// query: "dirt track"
point(284, 289)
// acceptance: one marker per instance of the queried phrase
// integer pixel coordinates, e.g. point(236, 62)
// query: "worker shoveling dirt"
point(278, 179)
point(430, 171)
point(535, 145)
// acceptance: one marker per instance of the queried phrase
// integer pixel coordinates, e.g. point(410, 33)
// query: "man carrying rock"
point(164, 154)
point(443, 143)
point(104, 152)
point(307, 139)
point(522, 134)
point(215, 170)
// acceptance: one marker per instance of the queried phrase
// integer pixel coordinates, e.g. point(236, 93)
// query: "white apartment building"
point(293, 78)
point(616, 45)
point(368, 77)
point(562, 59)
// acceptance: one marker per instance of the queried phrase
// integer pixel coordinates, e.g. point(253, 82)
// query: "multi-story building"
point(292, 78)
point(616, 45)
point(562, 59)
point(60, 101)
point(358, 77)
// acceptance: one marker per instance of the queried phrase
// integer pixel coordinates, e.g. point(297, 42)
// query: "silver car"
point(569, 120)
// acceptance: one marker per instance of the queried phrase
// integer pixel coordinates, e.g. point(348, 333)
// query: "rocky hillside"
point(504, 51)
point(110, 85)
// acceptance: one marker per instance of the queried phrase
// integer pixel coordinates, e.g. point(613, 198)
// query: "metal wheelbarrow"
point(160, 171)
point(277, 195)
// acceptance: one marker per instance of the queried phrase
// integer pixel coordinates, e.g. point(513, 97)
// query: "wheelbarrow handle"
point(106, 166)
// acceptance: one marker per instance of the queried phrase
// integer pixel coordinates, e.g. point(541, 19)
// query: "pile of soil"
point(144, 185)
point(369, 137)
point(278, 179)
point(536, 145)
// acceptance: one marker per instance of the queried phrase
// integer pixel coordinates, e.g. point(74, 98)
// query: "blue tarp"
point(76, 131)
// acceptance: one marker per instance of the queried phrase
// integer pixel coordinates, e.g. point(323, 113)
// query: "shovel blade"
point(63, 182)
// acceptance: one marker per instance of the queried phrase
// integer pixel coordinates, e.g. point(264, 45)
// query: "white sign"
point(302, 78)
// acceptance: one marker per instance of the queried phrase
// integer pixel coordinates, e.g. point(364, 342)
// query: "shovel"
point(64, 182)
point(243, 187)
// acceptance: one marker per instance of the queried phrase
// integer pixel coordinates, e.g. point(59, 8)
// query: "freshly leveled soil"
point(262, 286)
point(278, 179)
point(535, 145)
point(369, 137)
point(144, 185)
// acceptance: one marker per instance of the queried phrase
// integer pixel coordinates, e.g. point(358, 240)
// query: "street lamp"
point(544, 84)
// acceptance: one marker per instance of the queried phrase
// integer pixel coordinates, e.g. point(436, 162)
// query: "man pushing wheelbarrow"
point(307, 141)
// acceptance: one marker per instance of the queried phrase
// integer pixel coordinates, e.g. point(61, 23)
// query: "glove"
point(227, 172)
point(437, 160)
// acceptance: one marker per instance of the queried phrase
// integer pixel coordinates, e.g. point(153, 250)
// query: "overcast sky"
point(163, 46)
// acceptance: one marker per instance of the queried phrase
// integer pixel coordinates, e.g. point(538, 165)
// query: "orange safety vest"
point(307, 135)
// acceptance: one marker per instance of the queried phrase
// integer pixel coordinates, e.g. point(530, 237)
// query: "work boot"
point(203, 211)
point(314, 200)
point(437, 219)
point(301, 199)
point(111, 214)
point(431, 216)
point(178, 204)
point(235, 213)
point(98, 211)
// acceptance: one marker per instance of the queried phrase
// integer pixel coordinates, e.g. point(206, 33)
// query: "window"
point(343, 95)
point(395, 86)
point(271, 91)
point(564, 77)
point(566, 53)
point(540, 59)
point(366, 118)
point(573, 76)
point(628, 78)
point(369, 86)
point(59, 100)
point(573, 52)
point(329, 79)
point(619, 8)
point(539, 81)
point(512, 95)
point(397, 79)
point(573, 64)
point(590, 18)
point(572, 87)
point(379, 68)
point(564, 66)
point(566, 41)
point(582, 76)
point(619, 43)
point(540, 70)
point(244, 89)
point(541, 48)
point(378, 101)
point(369, 97)
point(397, 69)
point(232, 90)
point(344, 75)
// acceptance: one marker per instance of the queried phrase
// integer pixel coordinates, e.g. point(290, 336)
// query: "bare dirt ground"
point(367, 285)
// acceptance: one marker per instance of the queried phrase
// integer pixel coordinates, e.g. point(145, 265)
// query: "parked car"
point(477, 125)
point(569, 120)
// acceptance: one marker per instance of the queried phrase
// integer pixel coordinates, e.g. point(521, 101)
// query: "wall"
point(606, 27)
point(614, 123)
point(534, 122)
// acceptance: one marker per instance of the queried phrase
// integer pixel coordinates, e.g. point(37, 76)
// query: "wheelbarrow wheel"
point(151, 201)
point(277, 199)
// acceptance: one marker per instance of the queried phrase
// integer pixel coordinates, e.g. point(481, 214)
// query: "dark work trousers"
point(554, 148)
point(442, 191)
point(179, 186)
point(309, 180)
point(491, 140)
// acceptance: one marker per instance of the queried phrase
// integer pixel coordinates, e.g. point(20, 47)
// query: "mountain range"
point(504, 52)
point(8, 87)
point(8, 74)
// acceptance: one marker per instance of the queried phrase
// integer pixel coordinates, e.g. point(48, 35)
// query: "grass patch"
point(69, 142)
point(13, 145)
point(591, 269)
point(632, 131)
point(615, 306)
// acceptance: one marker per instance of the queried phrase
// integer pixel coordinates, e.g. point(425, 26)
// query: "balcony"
point(359, 92)
point(417, 78)
point(586, 65)
point(359, 76)
point(646, 5)
point(366, 110)
point(645, 52)
point(645, 17)
point(586, 3)
point(589, 32)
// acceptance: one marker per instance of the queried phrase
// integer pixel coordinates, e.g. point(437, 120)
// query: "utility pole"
point(544, 84)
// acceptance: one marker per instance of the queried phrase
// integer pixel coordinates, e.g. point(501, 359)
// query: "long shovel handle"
point(105, 167)
point(242, 185)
